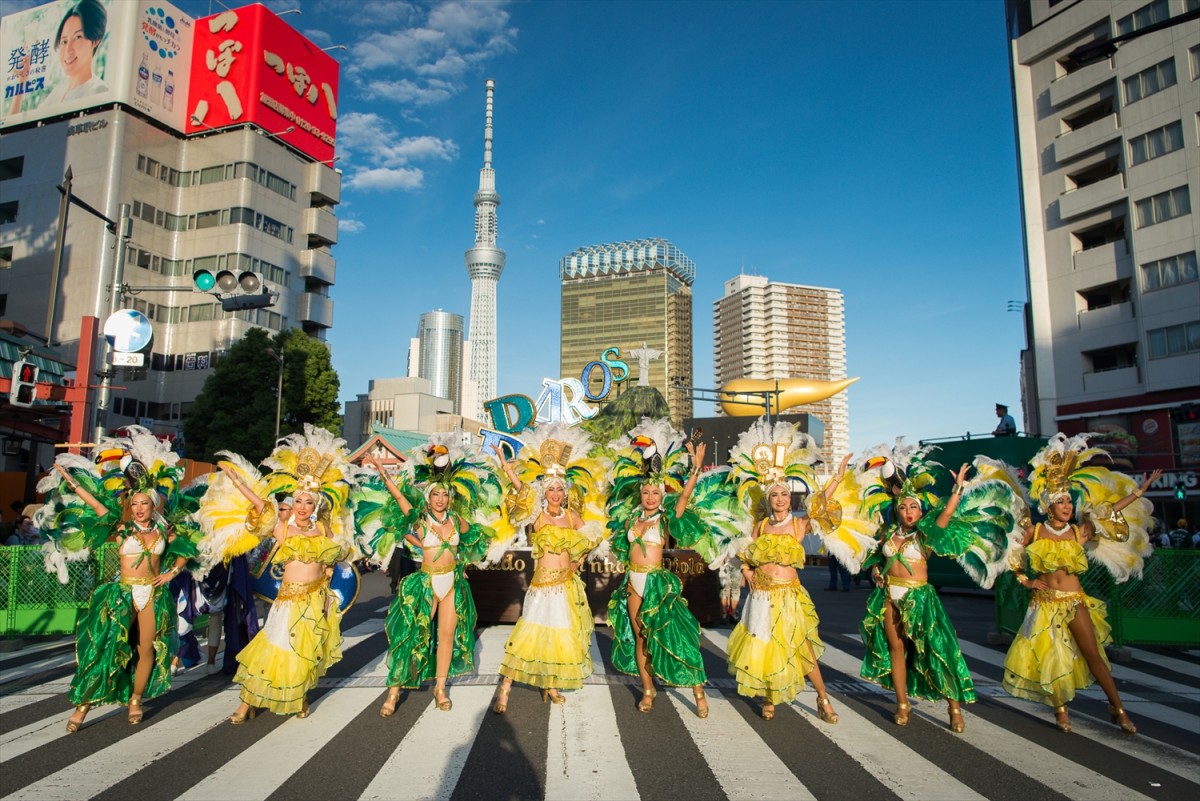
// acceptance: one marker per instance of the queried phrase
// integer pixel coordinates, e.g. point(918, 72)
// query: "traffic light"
point(23, 391)
point(1181, 491)
point(236, 292)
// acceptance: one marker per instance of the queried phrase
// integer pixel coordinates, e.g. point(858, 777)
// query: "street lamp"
point(278, 356)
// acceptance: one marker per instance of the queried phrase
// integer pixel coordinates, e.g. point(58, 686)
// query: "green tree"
point(235, 410)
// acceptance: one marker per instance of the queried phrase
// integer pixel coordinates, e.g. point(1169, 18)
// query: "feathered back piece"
point(1063, 469)
point(556, 452)
point(316, 462)
point(137, 462)
point(899, 471)
point(451, 461)
point(767, 455)
point(652, 452)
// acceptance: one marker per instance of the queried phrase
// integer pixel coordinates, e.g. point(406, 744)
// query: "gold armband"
point(260, 523)
point(1110, 523)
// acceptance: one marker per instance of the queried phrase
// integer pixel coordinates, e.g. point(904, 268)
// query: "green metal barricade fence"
point(1160, 608)
point(35, 603)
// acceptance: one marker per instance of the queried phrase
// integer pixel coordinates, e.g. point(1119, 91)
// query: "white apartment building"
point(1109, 170)
point(766, 330)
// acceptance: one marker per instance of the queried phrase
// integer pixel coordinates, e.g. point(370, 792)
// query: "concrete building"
point(1109, 174)
point(631, 295)
point(764, 329)
point(234, 200)
point(406, 404)
point(221, 162)
point(485, 263)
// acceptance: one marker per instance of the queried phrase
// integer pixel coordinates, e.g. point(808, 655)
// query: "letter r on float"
point(499, 410)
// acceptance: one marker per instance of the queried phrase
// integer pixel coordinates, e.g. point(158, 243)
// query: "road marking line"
point(430, 758)
point(743, 772)
point(585, 760)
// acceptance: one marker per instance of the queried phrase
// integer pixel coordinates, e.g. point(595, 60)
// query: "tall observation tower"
point(485, 262)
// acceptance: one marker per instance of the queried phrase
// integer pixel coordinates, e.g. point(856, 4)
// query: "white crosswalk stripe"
point(1185, 668)
point(585, 745)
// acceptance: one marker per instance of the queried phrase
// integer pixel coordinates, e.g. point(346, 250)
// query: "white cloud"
point(383, 179)
point(352, 226)
point(406, 91)
point(376, 142)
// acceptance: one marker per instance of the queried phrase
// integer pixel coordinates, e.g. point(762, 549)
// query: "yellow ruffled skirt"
point(294, 648)
point(1044, 663)
point(775, 645)
point(550, 646)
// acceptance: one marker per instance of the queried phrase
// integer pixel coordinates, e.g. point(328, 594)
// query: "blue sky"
point(866, 146)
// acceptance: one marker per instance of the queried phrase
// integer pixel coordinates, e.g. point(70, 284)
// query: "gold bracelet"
point(1137, 493)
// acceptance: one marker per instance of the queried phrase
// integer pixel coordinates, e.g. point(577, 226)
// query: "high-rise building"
point(216, 178)
point(439, 356)
point(633, 295)
point(485, 262)
point(765, 329)
point(1109, 178)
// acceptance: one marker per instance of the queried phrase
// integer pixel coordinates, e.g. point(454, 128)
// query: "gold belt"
point(763, 581)
point(896, 581)
point(550, 576)
point(636, 568)
point(1049, 596)
point(291, 590)
point(136, 581)
point(437, 571)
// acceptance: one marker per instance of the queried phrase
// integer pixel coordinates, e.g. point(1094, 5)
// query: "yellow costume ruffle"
point(1044, 663)
point(317, 549)
point(1047, 556)
point(774, 549)
point(296, 646)
point(550, 646)
point(775, 644)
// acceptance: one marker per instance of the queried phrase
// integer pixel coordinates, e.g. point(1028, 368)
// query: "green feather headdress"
point(652, 453)
point(899, 472)
point(452, 463)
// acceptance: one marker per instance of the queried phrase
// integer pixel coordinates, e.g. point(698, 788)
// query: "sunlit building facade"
point(631, 295)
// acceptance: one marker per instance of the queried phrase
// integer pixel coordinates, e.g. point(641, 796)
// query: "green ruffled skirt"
point(672, 631)
point(106, 655)
point(412, 638)
point(935, 665)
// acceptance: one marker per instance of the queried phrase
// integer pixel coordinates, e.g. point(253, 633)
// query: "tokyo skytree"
point(485, 262)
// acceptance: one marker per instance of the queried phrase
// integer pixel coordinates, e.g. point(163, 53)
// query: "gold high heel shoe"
point(501, 705)
point(135, 710)
point(825, 711)
point(701, 702)
point(1114, 715)
point(389, 706)
point(957, 724)
point(1061, 720)
point(304, 710)
point(647, 702)
point(442, 700)
point(241, 717)
point(74, 725)
point(768, 712)
point(902, 713)
point(557, 698)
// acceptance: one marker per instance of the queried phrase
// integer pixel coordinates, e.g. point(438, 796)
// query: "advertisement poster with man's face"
point(70, 55)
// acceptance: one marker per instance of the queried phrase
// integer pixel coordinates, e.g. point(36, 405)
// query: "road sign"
point(128, 359)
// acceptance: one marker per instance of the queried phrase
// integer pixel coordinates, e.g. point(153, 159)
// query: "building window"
point(1166, 273)
point(1149, 81)
point(12, 168)
point(1174, 340)
point(1156, 143)
point(1194, 58)
point(6, 257)
point(1106, 359)
point(1145, 16)
point(8, 212)
point(1163, 206)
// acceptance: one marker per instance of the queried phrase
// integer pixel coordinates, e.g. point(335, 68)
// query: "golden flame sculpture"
point(736, 400)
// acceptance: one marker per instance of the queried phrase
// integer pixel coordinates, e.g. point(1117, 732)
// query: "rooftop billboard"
point(248, 65)
point(70, 55)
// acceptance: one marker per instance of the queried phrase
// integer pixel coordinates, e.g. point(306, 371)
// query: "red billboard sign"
point(248, 65)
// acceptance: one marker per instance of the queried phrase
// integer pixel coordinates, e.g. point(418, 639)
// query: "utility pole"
point(104, 395)
point(64, 207)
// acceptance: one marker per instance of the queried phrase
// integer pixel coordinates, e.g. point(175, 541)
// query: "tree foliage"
point(235, 410)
